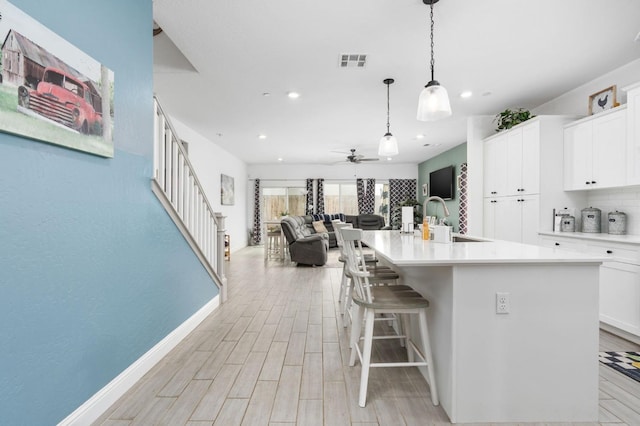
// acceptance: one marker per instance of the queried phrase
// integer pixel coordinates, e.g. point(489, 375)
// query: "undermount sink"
point(464, 239)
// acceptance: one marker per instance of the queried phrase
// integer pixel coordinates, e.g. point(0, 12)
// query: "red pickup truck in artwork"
point(64, 99)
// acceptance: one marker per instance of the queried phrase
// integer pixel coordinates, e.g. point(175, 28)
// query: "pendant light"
point(433, 103)
point(388, 144)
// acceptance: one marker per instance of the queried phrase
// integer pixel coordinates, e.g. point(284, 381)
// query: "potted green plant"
point(509, 118)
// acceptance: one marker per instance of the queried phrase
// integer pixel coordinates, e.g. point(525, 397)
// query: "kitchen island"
point(536, 363)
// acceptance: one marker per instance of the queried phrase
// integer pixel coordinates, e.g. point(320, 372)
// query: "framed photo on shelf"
point(603, 100)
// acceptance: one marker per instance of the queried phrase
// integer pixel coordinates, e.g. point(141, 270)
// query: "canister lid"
point(617, 214)
point(590, 210)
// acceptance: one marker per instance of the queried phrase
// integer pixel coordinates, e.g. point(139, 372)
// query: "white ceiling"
point(523, 52)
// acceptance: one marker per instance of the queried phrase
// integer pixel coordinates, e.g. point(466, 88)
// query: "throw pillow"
point(319, 227)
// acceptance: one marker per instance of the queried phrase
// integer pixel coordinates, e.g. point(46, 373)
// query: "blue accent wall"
point(453, 157)
point(93, 272)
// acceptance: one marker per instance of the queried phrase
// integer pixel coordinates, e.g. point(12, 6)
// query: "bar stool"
point(370, 300)
point(380, 274)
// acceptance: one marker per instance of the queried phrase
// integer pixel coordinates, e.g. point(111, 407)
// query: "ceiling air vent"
point(353, 60)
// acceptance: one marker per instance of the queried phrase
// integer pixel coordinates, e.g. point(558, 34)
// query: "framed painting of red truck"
point(50, 91)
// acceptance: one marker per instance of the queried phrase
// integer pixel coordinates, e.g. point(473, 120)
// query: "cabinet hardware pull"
point(587, 183)
point(609, 251)
point(593, 181)
point(557, 244)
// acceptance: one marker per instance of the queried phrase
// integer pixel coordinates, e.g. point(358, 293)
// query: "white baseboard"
point(100, 402)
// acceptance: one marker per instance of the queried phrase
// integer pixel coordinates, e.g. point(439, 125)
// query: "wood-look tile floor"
point(276, 354)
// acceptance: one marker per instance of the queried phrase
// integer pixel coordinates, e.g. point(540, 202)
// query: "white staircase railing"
point(178, 189)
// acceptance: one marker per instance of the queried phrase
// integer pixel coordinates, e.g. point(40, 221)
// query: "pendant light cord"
point(432, 61)
point(388, 107)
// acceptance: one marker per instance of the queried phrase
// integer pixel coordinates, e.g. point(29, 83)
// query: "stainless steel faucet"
point(438, 199)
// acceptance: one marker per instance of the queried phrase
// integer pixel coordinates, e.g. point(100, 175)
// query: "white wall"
point(626, 200)
point(210, 161)
point(576, 101)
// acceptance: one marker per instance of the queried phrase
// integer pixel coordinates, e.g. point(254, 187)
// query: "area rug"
point(628, 363)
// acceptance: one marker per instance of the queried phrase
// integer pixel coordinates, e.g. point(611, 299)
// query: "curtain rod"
point(304, 179)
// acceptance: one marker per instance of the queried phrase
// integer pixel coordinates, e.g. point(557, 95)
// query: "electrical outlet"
point(502, 303)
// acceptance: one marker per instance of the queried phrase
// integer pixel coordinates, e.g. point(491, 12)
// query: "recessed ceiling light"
point(466, 94)
point(389, 158)
point(420, 136)
point(280, 159)
point(261, 136)
point(293, 95)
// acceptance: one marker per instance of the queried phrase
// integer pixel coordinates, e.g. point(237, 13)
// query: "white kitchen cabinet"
point(523, 160)
point(495, 167)
point(619, 278)
point(512, 218)
point(633, 134)
point(595, 150)
point(620, 296)
point(519, 163)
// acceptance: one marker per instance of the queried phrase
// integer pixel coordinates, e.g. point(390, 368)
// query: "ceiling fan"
point(358, 158)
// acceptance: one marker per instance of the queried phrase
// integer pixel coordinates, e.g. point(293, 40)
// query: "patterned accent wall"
point(361, 195)
point(370, 197)
point(463, 199)
point(399, 191)
point(257, 229)
point(320, 197)
point(309, 202)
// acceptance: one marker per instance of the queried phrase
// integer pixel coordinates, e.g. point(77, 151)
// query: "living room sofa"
point(363, 221)
point(305, 247)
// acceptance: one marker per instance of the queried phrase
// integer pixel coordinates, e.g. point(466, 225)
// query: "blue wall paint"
point(453, 157)
point(93, 273)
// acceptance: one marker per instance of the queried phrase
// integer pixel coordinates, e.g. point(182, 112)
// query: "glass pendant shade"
point(433, 103)
point(388, 146)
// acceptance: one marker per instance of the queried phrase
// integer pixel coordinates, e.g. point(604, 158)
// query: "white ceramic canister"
point(617, 223)
point(591, 219)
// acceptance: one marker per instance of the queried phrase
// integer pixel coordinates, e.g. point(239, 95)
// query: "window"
point(281, 200)
point(341, 198)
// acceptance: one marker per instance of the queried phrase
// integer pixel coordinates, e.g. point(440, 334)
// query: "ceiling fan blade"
point(369, 159)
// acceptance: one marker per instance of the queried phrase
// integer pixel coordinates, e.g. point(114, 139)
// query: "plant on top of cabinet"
point(509, 118)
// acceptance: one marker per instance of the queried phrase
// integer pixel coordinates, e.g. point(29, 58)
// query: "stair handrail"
point(184, 198)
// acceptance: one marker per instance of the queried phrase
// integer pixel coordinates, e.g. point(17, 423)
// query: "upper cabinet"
point(595, 151)
point(633, 134)
point(511, 162)
point(522, 176)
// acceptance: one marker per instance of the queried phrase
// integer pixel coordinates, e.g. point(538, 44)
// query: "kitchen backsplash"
point(626, 200)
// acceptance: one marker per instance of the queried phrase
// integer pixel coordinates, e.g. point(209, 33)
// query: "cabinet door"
point(633, 136)
point(609, 150)
point(531, 159)
point(489, 218)
point(530, 210)
point(495, 166)
point(578, 156)
point(514, 162)
point(508, 219)
point(620, 296)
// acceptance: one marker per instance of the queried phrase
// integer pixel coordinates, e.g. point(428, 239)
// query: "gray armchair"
point(304, 247)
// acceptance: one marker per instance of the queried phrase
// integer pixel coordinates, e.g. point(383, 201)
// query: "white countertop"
point(627, 239)
point(405, 249)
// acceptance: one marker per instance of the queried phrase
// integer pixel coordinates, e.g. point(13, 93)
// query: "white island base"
point(539, 362)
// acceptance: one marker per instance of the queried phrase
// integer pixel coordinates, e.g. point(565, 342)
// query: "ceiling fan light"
point(433, 103)
point(388, 146)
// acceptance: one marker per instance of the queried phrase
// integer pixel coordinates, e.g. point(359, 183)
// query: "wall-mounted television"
point(441, 183)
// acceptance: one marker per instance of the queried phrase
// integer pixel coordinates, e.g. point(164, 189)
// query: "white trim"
point(100, 402)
